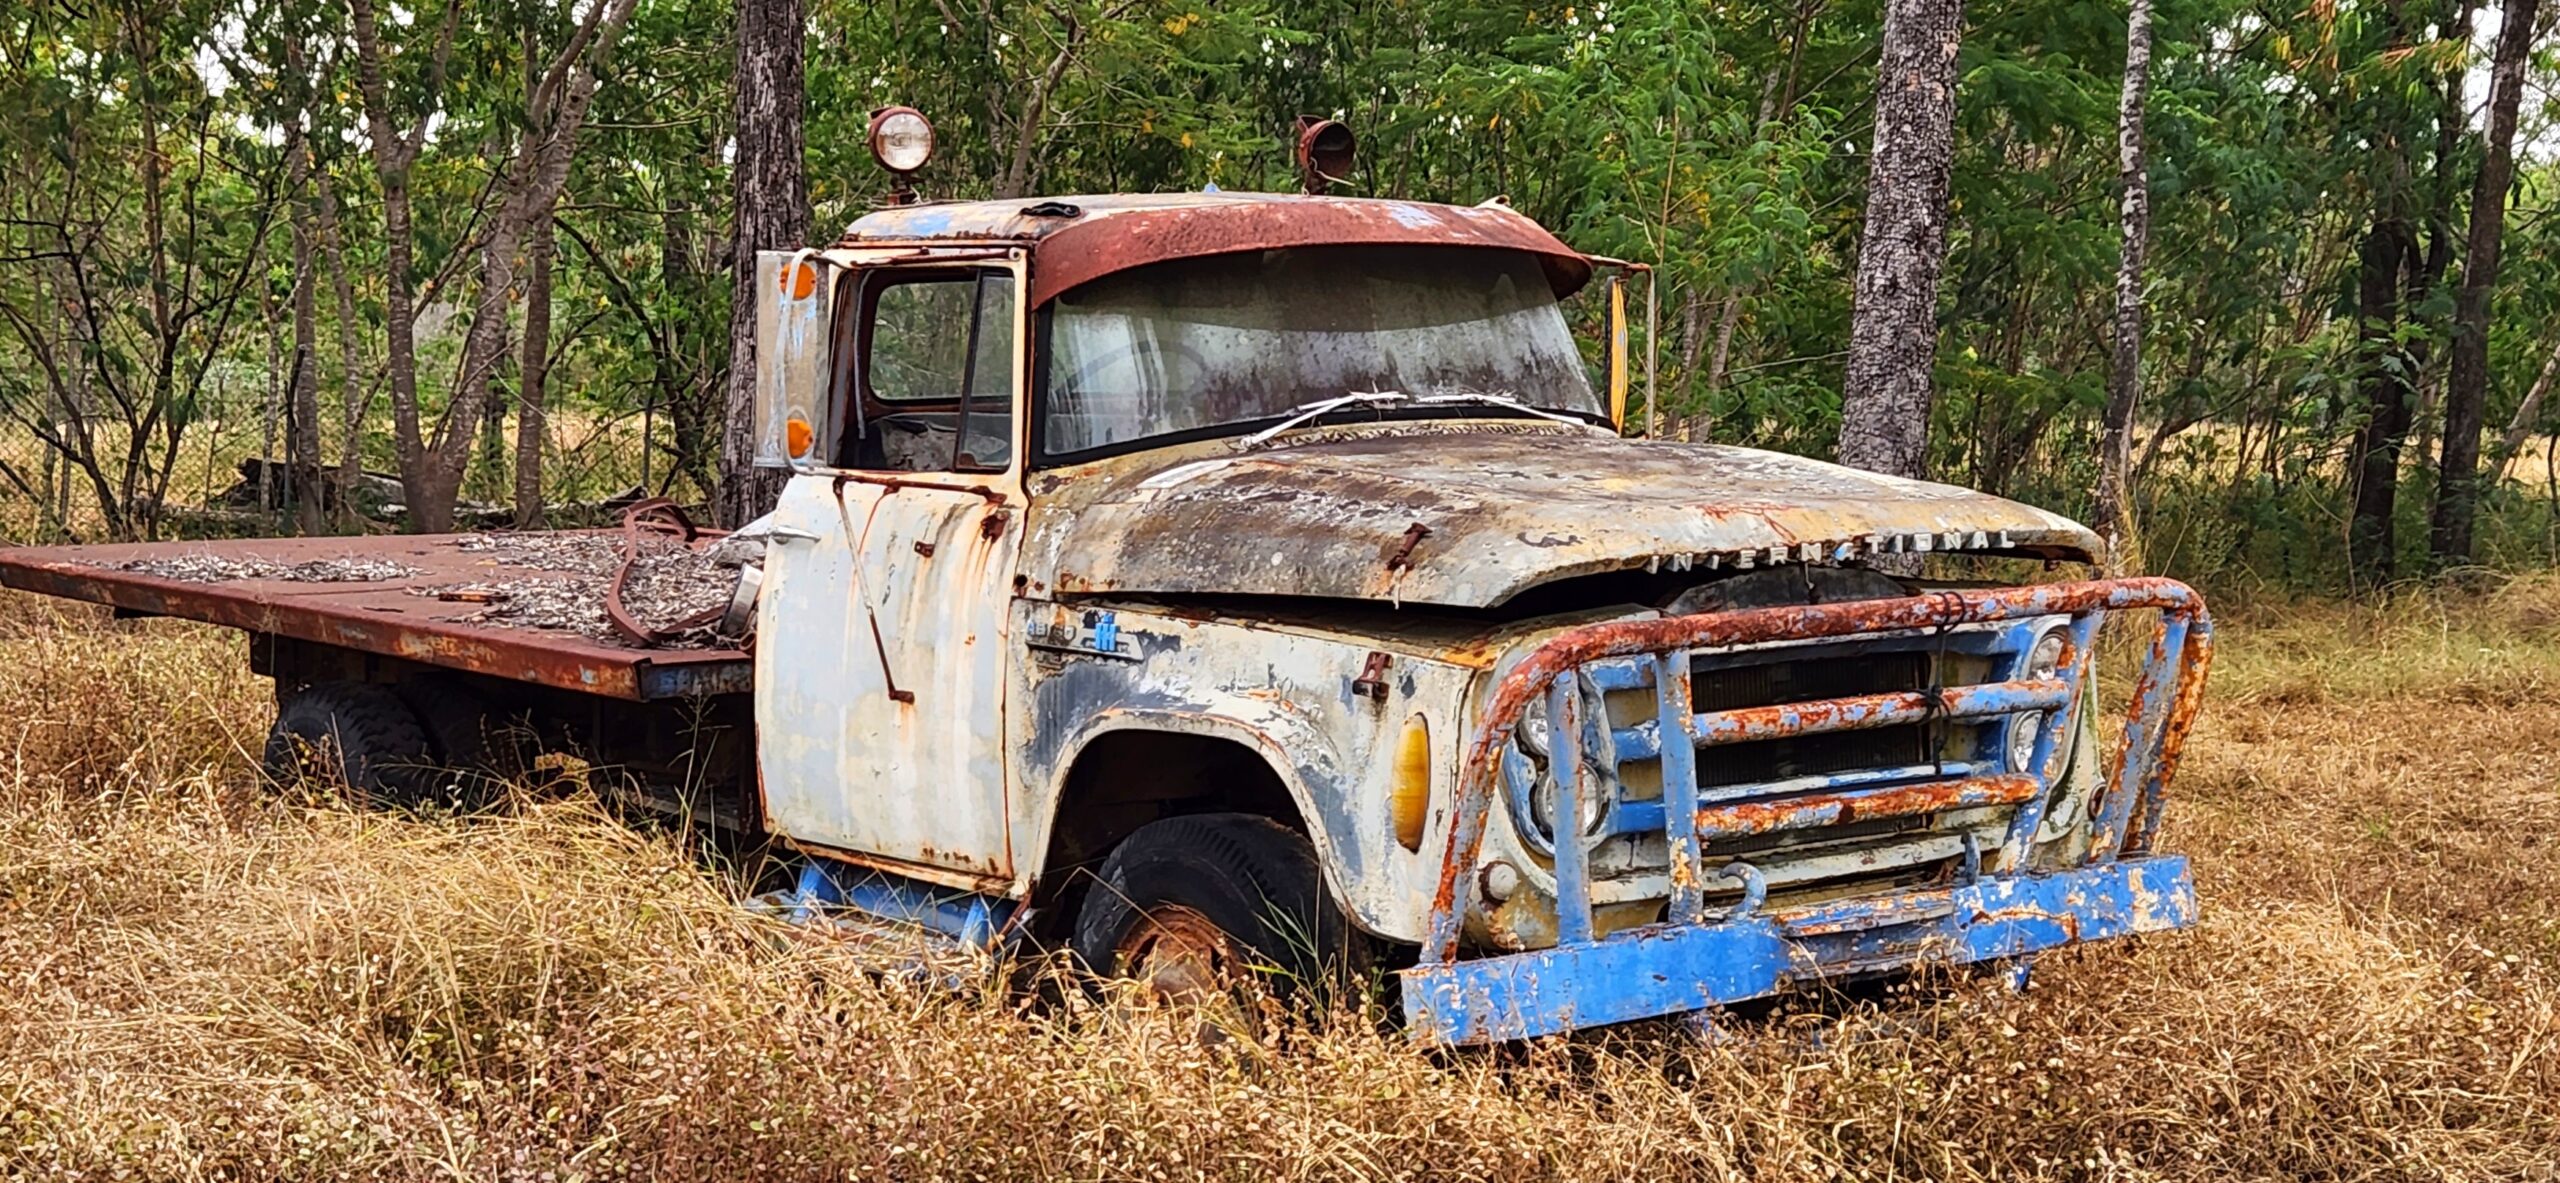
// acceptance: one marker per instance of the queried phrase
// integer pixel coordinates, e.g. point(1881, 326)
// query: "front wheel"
point(1214, 905)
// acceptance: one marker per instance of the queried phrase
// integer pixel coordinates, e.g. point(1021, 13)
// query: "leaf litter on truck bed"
point(216, 569)
point(669, 582)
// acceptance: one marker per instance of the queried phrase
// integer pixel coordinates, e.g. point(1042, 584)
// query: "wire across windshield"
point(1247, 339)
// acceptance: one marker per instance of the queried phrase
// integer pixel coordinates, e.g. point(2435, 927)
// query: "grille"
point(1841, 855)
point(1867, 853)
point(1729, 765)
point(1797, 680)
point(1807, 680)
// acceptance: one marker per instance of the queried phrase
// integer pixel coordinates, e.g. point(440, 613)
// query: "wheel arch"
point(1194, 761)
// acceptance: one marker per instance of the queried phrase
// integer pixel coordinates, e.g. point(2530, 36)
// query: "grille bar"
point(1864, 712)
point(1745, 818)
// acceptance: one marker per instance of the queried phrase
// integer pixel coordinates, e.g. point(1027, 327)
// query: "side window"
point(932, 390)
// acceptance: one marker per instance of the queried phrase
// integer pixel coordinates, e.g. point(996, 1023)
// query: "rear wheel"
point(1214, 906)
point(474, 757)
point(356, 736)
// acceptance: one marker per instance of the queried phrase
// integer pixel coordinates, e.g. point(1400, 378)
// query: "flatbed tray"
point(395, 613)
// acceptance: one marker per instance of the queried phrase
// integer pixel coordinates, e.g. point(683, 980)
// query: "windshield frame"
point(1040, 456)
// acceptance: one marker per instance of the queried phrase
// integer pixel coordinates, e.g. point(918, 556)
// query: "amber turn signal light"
point(1409, 799)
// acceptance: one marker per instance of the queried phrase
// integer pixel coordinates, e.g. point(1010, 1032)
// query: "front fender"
point(1292, 744)
point(1292, 694)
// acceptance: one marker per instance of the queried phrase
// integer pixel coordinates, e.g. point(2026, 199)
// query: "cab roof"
point(1076, 240)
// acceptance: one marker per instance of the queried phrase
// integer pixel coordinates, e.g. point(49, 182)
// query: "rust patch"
point(1745, 818)
point(1403, 555)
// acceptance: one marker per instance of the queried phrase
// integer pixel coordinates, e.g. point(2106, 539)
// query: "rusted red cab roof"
point(1114, 232)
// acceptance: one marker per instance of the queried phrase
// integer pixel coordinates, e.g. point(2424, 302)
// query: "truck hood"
point(1470, 514)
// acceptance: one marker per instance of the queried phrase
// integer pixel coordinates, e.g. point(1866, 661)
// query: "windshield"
point(1246, 339)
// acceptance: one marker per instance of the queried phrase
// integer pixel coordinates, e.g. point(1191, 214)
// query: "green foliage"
point(1725, 144)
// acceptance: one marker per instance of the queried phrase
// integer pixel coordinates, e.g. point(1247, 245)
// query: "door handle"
point(788, 534)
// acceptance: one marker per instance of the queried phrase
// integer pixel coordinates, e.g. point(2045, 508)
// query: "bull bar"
point(1698, 958)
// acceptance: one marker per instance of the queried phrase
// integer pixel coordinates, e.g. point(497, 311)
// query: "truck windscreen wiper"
point(1305, 411)
point(1495, 400)
point(1383, 398)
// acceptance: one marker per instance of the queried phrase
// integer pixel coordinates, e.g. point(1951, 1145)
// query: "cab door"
point(882, 627)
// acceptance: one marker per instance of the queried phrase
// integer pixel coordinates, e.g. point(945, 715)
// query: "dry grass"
point(200, 981)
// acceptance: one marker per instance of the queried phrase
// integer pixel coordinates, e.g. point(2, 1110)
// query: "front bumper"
point(1668, 969)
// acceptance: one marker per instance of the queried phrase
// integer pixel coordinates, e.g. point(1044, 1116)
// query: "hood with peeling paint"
point(1471, 514)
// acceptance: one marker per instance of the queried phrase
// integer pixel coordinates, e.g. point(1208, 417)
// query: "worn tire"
point(470, 770)
point(356, 735)
point(1252, 878)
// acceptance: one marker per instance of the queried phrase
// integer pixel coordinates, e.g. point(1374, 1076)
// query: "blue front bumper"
point(1668, 969)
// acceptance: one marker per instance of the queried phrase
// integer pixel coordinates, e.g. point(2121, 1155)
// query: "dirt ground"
point(202, 979)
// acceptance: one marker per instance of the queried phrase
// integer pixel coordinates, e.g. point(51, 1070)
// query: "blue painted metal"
point(2144, 730)
point(970, 919)
point(2152, 794)
point(1572, 775)
point(1993, 909)
point(1679, 785)
point(694, 679)
point(1676, 968)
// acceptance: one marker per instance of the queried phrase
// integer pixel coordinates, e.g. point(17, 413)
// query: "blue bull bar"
point(1699, 957)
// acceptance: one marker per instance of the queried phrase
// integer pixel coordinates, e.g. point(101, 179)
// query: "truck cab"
point(1217, 582)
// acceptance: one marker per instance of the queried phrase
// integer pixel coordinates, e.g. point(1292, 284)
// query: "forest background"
point(493, 241)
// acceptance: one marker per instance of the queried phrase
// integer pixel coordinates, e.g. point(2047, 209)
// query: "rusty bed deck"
point(384, 616)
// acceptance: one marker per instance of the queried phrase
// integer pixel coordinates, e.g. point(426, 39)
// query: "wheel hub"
point(1179, 954)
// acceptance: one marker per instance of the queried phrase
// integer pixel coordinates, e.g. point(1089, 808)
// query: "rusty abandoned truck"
point(1209, 581)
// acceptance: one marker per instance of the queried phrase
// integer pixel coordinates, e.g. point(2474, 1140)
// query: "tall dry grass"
point(200, 980)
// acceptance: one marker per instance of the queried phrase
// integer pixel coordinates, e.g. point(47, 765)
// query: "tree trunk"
point(557, 111)
point(2386, 367)
point(393, 154)
point(2467, 390)
point(352, 398)
point(1720, 356)
point(2444, 188)
point(1893, 335)
point(2384, 383)
point(530, 375)
point(2528, 413)
point(270, 406)
point(431, 470)
point(302, 406)
point(770, 186)
point(2114, 512)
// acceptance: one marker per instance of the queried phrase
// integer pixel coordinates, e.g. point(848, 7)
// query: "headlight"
point(2022, 740)
point(2043, 661)
point(1542, 804)
point(901, 140)
point(1532, 731)
point(1532, 737)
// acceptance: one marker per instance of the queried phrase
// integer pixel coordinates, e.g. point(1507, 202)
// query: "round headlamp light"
point(1532, 736)
point(1542, 804)
point(901, 139)
point(2044, 661)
